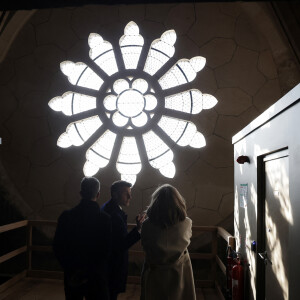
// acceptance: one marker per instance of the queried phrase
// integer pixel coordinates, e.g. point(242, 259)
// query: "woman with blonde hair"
point(165, 236)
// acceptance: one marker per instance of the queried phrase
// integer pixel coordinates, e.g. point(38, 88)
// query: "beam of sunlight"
point(236, 218)
point(266, 126)
point(253, 199)
point(276, 253)
point(264, 116)
point(259, 151)
point(251, 256)
point(279, 180)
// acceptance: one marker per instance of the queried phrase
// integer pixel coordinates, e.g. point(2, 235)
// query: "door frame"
point(261, 230)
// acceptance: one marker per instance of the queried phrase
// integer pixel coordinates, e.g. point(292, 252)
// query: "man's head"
point(90, 188)
point(121, 192)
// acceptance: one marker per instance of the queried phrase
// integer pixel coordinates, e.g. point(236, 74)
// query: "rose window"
point(130, 103)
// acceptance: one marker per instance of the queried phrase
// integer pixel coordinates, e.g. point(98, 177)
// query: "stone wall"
point(249, 66)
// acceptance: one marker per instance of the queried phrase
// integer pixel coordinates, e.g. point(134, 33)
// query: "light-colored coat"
point(167, 272)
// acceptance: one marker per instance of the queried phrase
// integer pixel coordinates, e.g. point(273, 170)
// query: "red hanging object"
point(238, 281)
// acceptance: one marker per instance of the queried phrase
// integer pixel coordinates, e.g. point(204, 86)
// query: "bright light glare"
point(131, 44)
point(98, 155)
point(161, 50)
point(209, 101)
point(140, 120)
point(79, 132)
point(182, 132)
point(159, 154)
point(129, 161)
point(182, 72)
point(131, 102)
point(102, 53)
point(72, 103)
point(80, 74)
point(188, 102)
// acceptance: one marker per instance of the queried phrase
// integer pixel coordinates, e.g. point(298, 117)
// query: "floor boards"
point(47, 289)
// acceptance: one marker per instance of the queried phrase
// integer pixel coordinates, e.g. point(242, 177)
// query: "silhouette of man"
point(82, 245)
point(121, 239)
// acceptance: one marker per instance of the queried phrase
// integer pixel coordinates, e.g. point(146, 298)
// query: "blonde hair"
point(167, 207)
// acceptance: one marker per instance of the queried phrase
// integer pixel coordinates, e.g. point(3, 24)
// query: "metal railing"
point(136, 251)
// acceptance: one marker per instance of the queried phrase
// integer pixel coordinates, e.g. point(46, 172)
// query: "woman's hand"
point(140, 218)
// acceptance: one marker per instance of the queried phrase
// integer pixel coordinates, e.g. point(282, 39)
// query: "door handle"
point(265, 258)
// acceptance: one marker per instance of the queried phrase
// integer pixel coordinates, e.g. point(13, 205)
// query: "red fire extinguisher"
point(238, 281)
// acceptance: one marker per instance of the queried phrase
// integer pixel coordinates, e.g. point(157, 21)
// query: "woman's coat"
point(167, 272)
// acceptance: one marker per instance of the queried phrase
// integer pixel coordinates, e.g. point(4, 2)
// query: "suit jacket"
point(82, 239)
point(167, 272)
point(121, 242)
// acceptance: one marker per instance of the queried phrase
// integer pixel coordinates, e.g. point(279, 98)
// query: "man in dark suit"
point(82, 244)
point(121, 239)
